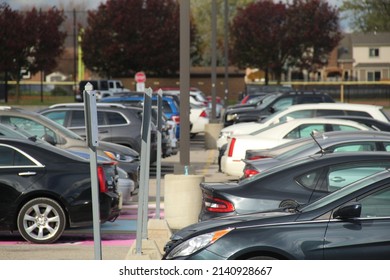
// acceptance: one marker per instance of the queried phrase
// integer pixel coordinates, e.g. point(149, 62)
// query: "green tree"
point(201, 11)
point(368, 16)
point(127, 36)
point(275, 36)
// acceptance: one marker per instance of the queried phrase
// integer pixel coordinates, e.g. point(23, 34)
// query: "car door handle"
point(27, 173)
point(103, 131)
point(337, 179)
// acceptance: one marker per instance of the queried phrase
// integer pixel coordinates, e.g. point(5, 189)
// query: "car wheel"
point(288, 204)
point(41, 220)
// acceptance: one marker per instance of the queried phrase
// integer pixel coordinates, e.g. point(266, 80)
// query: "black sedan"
point(44, 190)
point(291, 183)
point(351, 223)
point(327, 142)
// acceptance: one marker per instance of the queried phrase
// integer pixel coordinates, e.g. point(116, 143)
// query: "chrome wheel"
point(41, 220)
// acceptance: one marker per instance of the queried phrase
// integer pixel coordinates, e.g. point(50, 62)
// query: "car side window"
point(387, 146)
point(339, 127)
point(345, 174)
point(328, 112)
point(11, 157)
point(358, 113)
point(77, 119)
point(376, 204)
point(296, 115)
point(114, 118)
point(57, 116)
point(304, 130)
point(353, 147)
point(309, 180)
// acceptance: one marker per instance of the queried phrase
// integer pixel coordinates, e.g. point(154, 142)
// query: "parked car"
point(45, 190)
point(304, 111)
point(328, 142)
point(42, 127)
point(271, 103)
point(370, 122)
point(103, 88)
point(291, 182)
point(125, 185)
point(348, 224)
point(170, 107)
point(116, 124)
point(268, 137)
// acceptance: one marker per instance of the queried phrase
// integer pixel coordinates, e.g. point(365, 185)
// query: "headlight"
point(119, 156)
point(231, 117)
point(196, 243)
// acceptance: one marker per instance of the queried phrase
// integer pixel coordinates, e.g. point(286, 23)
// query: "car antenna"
point(312, 134)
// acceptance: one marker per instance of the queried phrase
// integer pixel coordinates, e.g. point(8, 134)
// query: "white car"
point(198, 119)
point(303, 111)
point(277, 134)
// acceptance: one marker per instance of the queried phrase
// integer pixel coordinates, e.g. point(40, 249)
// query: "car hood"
point(235, 221)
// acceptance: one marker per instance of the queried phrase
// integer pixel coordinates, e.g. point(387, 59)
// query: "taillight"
point(102, 180)
point(176, 119)
point(256, 157)
point(250, 172)
point(231, 147)
point(203, 114)
point(218, 205)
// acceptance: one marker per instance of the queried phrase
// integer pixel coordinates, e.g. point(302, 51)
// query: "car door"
point(18, 171)
point(365, 237)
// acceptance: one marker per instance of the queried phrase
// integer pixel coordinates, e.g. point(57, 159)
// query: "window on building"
point(374, 52)
point(374, 76)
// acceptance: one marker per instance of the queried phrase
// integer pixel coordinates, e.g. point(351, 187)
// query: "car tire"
point(288, 203)
point(41, 220)
point(262, 258)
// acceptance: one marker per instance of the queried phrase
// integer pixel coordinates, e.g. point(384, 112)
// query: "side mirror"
point(348, 212)
point(271, 110)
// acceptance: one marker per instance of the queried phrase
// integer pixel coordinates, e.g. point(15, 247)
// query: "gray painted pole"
point(226, 49)
point(90, 112)
point(145, 162)
point(213, 59)
point(159, 143)
point(185, 83)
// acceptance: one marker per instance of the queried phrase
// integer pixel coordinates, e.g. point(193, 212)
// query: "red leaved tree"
point(126, 36)
point(275, 36)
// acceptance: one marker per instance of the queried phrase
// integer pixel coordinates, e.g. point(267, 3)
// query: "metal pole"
point(213, 58)
point(90, 112)
point(145, 162)
point(226, 48)
point(159, 143)
point(185, 83)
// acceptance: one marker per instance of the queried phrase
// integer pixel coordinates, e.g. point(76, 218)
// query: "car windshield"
point(333, 196)
point(296, 150)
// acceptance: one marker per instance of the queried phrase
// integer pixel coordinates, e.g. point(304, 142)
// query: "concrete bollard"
point(182, 199)
point(211, 135)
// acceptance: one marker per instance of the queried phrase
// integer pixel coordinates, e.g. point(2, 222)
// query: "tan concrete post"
point(211, 135)
point(182, 199)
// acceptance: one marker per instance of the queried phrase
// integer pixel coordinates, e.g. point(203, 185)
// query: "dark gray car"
point(291, 183)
